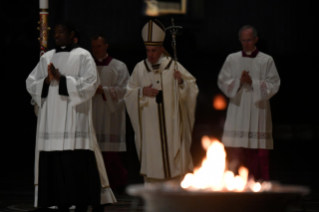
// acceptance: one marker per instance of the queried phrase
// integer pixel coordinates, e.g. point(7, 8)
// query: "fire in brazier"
point(214, 176)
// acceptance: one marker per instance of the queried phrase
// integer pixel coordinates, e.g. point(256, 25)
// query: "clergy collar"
point(105, 61)
point(100, 60)
point(159, 64)
point(252, 54)
point(66, 48)
point(155, 66)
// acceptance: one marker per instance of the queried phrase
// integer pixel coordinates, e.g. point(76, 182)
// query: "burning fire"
point(213, 175)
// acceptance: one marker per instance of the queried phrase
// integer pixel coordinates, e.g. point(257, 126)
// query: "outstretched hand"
point(149, 91)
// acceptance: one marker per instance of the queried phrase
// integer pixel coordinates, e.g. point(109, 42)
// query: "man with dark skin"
point(76, 40)
point(62, 38)
point(70, 170)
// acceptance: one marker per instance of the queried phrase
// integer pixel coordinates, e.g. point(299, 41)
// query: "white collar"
point(249, 53)
point(100, 60)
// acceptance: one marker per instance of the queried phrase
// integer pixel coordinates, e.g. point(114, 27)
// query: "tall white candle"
point(44, 4)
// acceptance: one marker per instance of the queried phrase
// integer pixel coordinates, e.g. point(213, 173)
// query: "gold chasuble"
point(162, 124)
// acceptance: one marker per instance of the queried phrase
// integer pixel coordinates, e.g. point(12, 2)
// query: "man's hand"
point(113, 93)
point(178, 76)
point(245, 78)
point(99, 90)
point(149, 91)
point(54, 72)
point(242, 78)
point(50, 77)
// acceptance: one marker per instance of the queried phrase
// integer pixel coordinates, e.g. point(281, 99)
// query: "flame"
point(213, 174)
point(219, 102)
point(256, 187)
point(206, 142)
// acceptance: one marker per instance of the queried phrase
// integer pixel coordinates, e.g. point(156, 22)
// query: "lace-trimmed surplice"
point(248, 123)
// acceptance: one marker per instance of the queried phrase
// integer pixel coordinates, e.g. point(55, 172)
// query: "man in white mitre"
point(249, 78)
point(70, 168)
point(109, 111)
point(161, 100)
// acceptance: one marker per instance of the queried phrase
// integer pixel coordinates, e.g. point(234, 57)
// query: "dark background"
point(287, 31)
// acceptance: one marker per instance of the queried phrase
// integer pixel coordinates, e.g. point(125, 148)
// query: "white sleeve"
point(35, 81)
point(226, 82)
point(83, 87)
point(266, 88)
point(120, 88)
point(189, 83)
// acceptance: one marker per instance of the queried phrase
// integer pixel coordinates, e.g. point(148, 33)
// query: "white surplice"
point(162, 134)
point(109, 115)
point(65, 122)
point(248, 122)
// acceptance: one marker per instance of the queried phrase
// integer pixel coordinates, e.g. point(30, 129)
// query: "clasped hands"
point(53, 74)
point(112, 90)
point(99, 90)
point(245, 78)
point(152, 92)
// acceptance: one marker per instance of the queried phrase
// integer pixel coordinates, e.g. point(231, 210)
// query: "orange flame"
point(219, 102)
point(213, 174)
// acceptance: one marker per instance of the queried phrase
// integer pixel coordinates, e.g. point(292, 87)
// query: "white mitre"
point(153, 33)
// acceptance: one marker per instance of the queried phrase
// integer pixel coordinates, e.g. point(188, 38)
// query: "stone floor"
point(15, 200)
point(19, 201)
